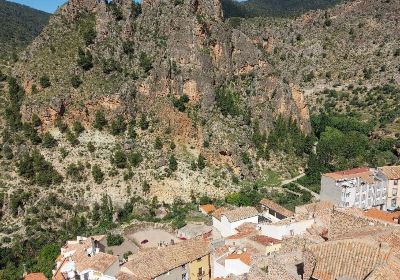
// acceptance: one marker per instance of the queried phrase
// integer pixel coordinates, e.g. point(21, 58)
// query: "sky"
point(45, 5)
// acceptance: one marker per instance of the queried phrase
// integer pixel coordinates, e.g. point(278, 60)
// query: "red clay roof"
point(363, 172)
point(244, 257)
point(265, 240)
point(347, 173)
point(382, 215)
point(208, 208)
point(35, 276)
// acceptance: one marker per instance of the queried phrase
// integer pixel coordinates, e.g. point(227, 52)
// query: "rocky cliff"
point(189, 48)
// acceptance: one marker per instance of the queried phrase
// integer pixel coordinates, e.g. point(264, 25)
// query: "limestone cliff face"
point(189, 50)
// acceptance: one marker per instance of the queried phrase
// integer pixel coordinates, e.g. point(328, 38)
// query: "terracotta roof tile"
point(35, 276)
point(276, 207)
point(208, 208)
point(362, 172)
point(240, 213)
point(382, 215)
point(244, 257)
point(164, 259)
point(391, 172)
point(265, 240)
point(236, 214)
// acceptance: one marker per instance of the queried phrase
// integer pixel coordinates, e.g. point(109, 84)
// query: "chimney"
point(93, 246)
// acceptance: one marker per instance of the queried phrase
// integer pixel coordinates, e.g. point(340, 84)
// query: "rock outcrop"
point(144, 58)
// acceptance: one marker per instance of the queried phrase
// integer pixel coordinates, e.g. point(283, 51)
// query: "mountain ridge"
point(20, 25)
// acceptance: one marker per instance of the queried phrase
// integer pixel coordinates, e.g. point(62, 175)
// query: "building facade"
point(360, 188)
point(391, 176)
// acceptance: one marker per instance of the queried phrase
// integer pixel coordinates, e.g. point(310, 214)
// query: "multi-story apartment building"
point(391, 175)
point(360, 188)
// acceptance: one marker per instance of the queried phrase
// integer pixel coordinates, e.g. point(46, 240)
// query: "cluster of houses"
point(349, 234)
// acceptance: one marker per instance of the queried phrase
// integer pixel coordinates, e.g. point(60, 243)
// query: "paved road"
point(286, 182)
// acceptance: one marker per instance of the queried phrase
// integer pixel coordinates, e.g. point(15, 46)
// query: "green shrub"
point(135, 159)
point(227, 100)
point(114, 239)
point(72, 138)
point(89, 36)
point(76, 81)
point(146, 187)
point(180, 103)
point(118, 126)
point(119, 159)
point(201, 162)
point(172, 163)
point(44, 81)
point(91, 147)
point(111, 65)
point(100, 120)
point(3, 76)
point(75, 172)
point(78, 127)
point(131, 130)
point(158, 145)
point(97, 174)
point(145, 62)
point(35, 168)
point(85, 60)
point(144, 123)
point(48, 141)
point(127, 47)
point(36, 121)
point(7, 152)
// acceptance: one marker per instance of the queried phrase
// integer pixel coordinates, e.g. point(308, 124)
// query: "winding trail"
point(286, 182)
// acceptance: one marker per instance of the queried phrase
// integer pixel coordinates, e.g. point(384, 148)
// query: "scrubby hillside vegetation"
point(273, 8)
point(19, 26)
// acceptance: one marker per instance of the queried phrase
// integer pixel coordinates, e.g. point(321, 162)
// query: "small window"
point(394, 202)
point(292, 232)
point(396, 182)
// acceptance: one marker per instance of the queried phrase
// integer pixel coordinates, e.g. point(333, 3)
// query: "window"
point(292, 232)
point(184, 276)
point(348, 194)
point(394, 202)
point(396, 182)
point(394, 192)
point(200, 272)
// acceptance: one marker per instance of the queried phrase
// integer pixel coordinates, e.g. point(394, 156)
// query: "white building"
point(286, 228)
point(83, 259)
point(233, 263)
point(360, 188)
point(226, 221)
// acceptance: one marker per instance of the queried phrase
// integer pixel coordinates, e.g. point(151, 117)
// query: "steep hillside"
point(19, 26)
point(352, 45)
point(346, 61)
point(273, 8)
point(173, 82)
